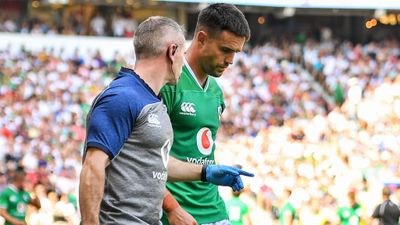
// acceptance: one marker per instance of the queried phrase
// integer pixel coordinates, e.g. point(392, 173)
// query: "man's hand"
point(226, 176)
point(179, 216)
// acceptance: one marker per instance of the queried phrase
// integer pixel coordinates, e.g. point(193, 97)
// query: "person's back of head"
point(386, 192)
point(223, 17)
point(154, 34)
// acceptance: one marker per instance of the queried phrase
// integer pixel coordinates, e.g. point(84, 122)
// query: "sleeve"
point(3, 200)
point(111, 122)
point(375, 214)
point(168, 96)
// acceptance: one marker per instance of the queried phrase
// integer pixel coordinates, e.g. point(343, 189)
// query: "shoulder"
point(6, 191)
point(123, 95)
point(114, 98)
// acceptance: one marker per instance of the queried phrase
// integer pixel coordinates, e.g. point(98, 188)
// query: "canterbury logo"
point(188, 107)
point(153, 119)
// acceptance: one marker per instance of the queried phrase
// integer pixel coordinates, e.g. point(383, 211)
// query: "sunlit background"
point(313, 101)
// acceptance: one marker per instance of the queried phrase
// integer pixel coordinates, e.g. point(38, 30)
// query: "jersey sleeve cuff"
point(102, 147)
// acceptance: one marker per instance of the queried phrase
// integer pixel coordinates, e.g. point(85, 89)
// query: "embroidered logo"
point(188, 108)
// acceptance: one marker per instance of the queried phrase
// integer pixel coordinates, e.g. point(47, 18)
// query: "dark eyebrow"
point(229, 49)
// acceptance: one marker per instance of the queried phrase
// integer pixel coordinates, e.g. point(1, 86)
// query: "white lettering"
point(160, 175)
point(200, 161)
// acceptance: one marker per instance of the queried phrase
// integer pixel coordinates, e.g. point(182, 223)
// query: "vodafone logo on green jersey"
point(204, 141)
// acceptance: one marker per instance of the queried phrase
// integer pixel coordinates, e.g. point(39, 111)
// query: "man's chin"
point(172, 82)
point(217, 73)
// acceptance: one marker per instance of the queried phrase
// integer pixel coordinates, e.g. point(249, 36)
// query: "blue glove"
point(224, 176)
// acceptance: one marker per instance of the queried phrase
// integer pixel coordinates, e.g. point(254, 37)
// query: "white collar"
point(195, 78)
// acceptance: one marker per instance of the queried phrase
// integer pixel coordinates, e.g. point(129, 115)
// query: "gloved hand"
point(224, 176)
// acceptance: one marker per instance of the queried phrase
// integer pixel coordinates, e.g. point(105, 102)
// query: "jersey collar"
point(195, 78)
point(145, 85)
point(12, 187)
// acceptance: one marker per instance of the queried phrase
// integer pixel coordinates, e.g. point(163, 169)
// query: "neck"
point(192, 58)
point(151, 74)
point(13, 186)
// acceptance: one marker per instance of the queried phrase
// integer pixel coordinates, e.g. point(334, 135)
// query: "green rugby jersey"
point(237, 210)
point(14, 202)
point(195, 116)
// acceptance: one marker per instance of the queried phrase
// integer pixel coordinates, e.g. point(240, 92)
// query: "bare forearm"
point(9, 218)
point(183, 171)
point(91, 192)
point(175, 213)
point(35, 202)
point(247, 220)
point(169, 202)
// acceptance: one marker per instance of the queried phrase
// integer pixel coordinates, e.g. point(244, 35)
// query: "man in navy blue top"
point(129, 136)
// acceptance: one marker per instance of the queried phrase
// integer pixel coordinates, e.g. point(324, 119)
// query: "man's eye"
point(226, 50)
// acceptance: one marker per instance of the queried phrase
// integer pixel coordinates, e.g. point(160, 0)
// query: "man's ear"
point(201, 37)
point(171, 52)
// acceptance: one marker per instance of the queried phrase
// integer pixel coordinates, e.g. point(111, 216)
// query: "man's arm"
point(375, 214)
point(287, 218)
point(9, 218)
point(175, 213)
point(183, 171)
point(91, 185)
point(246, 216)
point(215, 174)
point(246, 219)
point(35, 202)
point(179, 171)
point(374, 220)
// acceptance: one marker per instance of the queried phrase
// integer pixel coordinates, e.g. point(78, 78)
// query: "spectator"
point(9, 25)
point(14, 200)
point(97, 24)
point(118, 25)
point(237, 210)
point(387, 213)
point(287, 213)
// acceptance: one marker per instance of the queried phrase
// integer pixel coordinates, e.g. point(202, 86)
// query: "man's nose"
point(229, 58)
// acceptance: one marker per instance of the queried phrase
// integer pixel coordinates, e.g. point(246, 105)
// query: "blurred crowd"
point(328, 160)
point(121, 24)
point(266, 87)
point(318, 157)
point(44, 101)
point(342, 65)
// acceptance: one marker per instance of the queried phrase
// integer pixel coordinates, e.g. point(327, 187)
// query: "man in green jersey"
point(287, 213)
point(195, 105)
point(13, 200)
point(350, 214)
point(238, 211)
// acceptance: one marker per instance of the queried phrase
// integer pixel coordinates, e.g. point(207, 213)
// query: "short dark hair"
point(386, 191)
point(19, 173)
point(220, 16)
